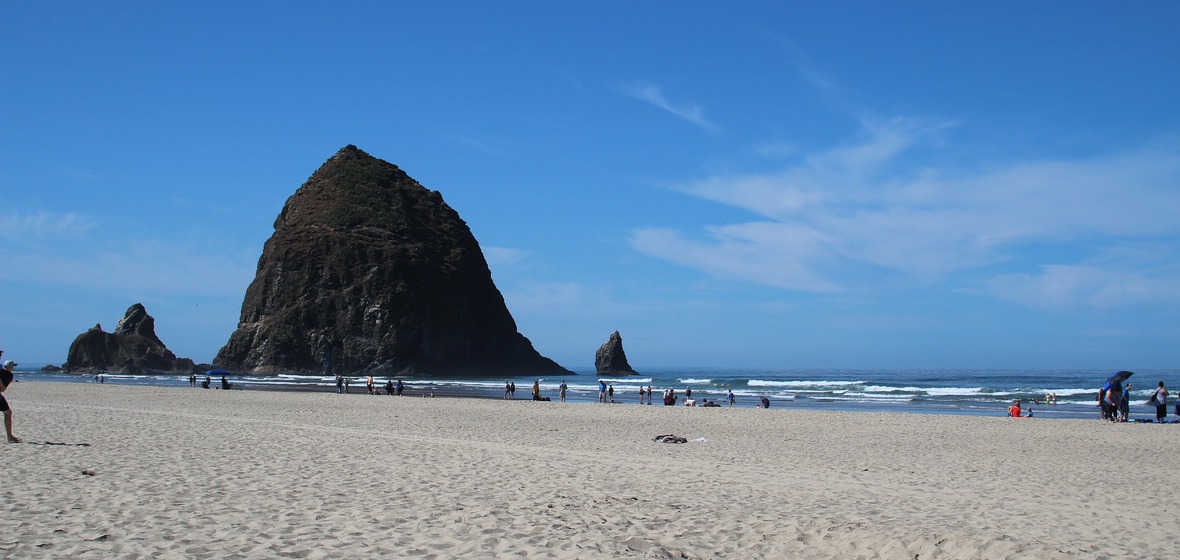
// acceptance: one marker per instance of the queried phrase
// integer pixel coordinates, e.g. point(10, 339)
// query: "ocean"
point(952, 391)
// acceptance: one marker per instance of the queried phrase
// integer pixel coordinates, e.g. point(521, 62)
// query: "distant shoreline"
point(705, 383)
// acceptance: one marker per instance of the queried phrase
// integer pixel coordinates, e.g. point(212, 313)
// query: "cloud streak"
point(45, 225)
point(864, 214)
point(653, 94)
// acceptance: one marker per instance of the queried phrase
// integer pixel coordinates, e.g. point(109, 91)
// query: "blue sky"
point(770, 184)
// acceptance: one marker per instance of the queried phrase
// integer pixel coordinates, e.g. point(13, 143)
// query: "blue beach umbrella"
point(217, 372)
point(1117, 379)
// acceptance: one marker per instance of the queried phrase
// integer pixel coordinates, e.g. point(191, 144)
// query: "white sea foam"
point(765, 383)
point(625, 380)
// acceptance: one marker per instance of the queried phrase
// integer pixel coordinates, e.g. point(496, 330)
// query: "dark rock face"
point(370, 272)
point(132, 348)
point(610, 358)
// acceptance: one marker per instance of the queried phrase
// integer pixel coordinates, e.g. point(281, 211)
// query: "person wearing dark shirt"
point(5, 381)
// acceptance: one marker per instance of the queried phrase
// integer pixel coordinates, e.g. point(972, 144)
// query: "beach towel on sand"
point(669, 439)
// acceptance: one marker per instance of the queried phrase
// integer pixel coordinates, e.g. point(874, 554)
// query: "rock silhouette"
point(132, 348)
point(370, 272)
point(610, 358)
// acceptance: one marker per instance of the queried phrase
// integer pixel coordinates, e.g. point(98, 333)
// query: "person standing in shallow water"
point(6, 379)
point(561, 390)
point(1161, 399)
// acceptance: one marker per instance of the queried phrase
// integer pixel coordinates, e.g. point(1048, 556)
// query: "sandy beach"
point(146, 472)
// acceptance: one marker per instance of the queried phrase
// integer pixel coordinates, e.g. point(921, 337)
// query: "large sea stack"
point(132, 348)
point(610, 358)
point(370, 272)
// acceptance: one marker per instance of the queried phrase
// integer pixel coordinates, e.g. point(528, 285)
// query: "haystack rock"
point(610, 358)
point(370, 272)
point(132, 348)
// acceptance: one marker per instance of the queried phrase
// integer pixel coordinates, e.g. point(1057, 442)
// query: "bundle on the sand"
point(669, 439)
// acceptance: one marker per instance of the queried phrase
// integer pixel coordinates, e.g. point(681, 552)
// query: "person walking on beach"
point(1161, 403)
point(6, 379)
point(339, 384)
point(730, 398)
point(601, 391)
point(561, 389)
point(505, 390)
point(400, 387)
point(192, 380)
point(512, 390)
point(641, 394)
point(649, 395)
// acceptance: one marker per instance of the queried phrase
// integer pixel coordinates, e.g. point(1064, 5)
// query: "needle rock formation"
point(610, 358)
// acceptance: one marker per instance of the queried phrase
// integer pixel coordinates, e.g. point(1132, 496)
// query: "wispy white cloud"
point(45, 225)
point(851, 215)
point(150, 268)
point(503, 256)
point(651, 93)
point(774, 254)
point(1064, 286)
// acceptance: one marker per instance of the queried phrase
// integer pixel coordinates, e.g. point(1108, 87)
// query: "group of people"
point(606, 394)
point(208, 382)
point(371, 387)
point(1115, 402)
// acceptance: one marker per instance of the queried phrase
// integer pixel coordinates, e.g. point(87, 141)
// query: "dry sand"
point(142, 472)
